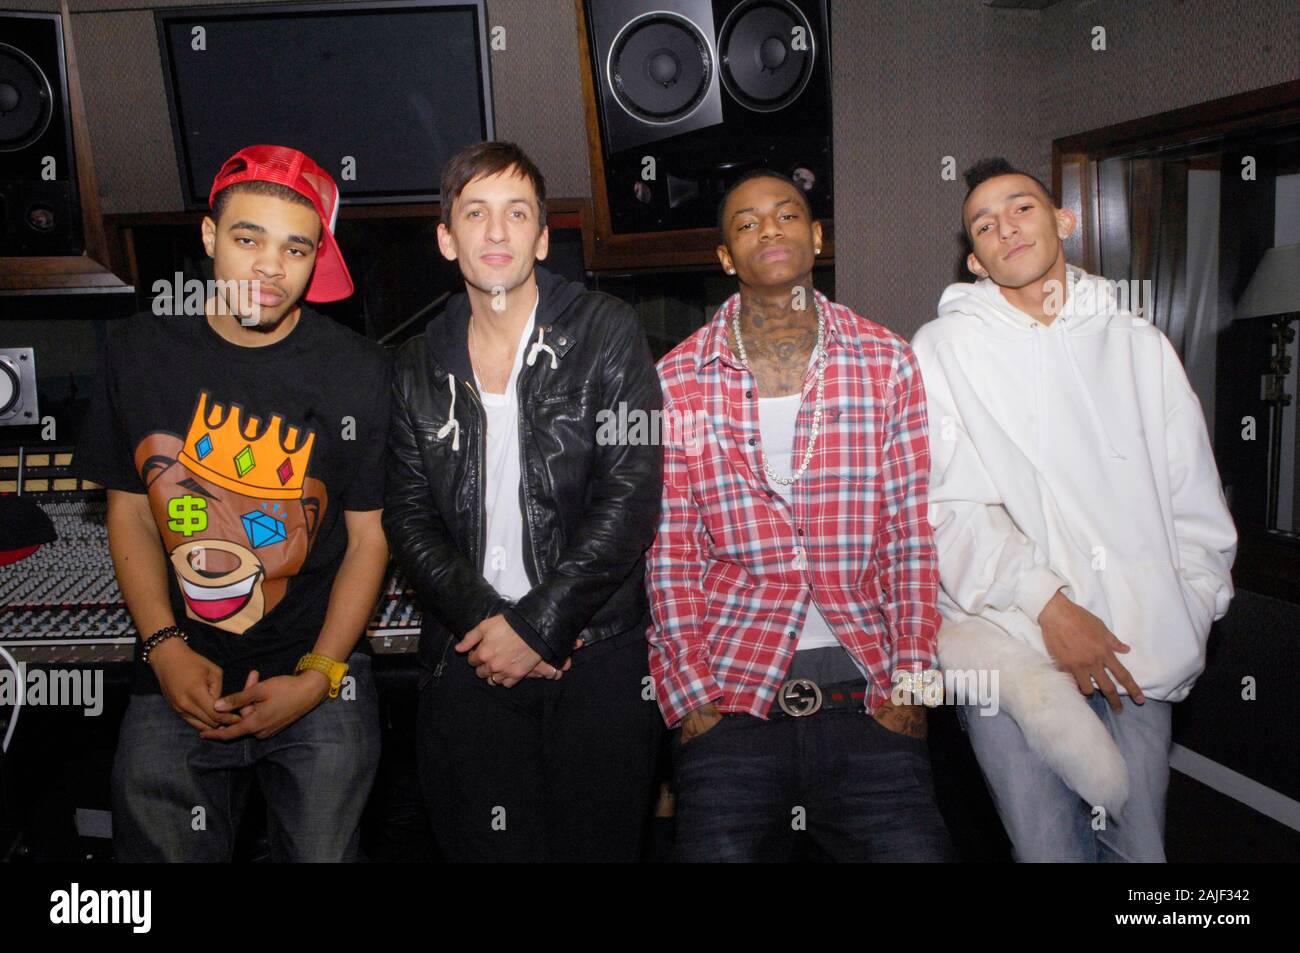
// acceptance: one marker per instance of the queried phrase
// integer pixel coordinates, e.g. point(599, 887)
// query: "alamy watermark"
point(636, 427)
point(975, 687)
point(87, 906)
point(1099, 296)
point(237, 297)
point(71, 687)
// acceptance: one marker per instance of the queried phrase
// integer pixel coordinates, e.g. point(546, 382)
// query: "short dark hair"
point(761, 174)
point(273, 189)
point(991, 168)
point(488, 159)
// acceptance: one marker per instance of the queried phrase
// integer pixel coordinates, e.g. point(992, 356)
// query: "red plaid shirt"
point(729, 591)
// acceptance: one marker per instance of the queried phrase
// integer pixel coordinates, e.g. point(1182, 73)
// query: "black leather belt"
point(801, 697)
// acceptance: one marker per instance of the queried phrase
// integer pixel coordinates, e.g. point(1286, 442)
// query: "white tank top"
point(503, 556)
point(776, 419)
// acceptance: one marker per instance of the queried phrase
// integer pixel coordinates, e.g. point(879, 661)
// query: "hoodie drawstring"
point(541, 345)
point(1087, 398)
point(452, 425)
point(984, 301)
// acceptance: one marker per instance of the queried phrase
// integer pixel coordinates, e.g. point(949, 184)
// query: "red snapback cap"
point(330, 280)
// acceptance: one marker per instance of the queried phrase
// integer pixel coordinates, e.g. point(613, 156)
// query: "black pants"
point(546, 770)
point(833, 786)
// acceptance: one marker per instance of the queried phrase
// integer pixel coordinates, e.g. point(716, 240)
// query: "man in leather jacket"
point(524, 536)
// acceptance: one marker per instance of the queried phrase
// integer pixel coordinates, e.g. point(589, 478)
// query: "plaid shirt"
point(734, 568)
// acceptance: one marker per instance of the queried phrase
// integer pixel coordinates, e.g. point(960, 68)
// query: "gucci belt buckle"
point(800, 697)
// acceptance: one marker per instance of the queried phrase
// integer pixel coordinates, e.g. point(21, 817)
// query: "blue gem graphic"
point(204, 446)
point(262, 528)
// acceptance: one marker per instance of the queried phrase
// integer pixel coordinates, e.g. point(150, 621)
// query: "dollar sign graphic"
point(188, 515)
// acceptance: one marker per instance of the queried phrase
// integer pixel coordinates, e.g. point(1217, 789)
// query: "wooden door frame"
point(1268, 561)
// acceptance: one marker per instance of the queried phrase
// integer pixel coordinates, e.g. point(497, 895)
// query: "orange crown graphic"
point(231, 449)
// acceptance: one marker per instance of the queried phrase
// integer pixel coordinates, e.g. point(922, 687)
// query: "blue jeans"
point(1047, 821)
point(178, 797)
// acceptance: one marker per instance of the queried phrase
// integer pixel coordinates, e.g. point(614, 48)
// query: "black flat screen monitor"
point(379, 94)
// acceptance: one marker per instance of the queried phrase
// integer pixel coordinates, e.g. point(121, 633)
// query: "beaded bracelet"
point(162, 635)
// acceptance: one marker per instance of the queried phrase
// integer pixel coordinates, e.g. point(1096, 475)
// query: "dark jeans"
point(834, 786)
point(178, 797)
point(545, 770)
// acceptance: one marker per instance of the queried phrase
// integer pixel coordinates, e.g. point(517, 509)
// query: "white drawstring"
point(1088, 402)
point(452, 425)
point(1071, 313)
point(540, 345)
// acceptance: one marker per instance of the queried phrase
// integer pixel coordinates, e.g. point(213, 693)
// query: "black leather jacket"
point(590, 510)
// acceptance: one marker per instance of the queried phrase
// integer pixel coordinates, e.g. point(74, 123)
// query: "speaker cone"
point(767, 51)
point(660, 67)
point(9, 386)
point(26, 100)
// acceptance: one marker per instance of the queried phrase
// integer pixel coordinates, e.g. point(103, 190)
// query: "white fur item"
point(1046, 705)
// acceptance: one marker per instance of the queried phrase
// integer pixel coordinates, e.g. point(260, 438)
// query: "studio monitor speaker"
point(684, 98)
point(39, 209)
point(18, 405)
point(51, 233)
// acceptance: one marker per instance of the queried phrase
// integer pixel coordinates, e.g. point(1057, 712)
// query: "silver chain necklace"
point(817, 404)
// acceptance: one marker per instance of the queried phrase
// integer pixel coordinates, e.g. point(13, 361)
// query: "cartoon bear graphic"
point(237, 512)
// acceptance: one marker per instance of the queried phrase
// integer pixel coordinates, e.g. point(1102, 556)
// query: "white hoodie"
point(1074, 454)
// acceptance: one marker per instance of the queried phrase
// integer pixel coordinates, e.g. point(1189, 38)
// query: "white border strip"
point(1268, 802)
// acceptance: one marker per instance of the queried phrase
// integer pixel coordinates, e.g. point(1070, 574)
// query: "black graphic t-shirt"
point(249, 456)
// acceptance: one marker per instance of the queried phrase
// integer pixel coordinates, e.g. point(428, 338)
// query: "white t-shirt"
point(776, 419)
point(503, 557)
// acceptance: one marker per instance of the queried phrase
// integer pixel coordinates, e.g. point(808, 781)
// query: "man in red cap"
point(241, 446)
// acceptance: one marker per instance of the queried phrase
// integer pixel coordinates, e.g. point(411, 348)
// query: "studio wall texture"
point(917, 80)
point(536, 89)
point(914, 81)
